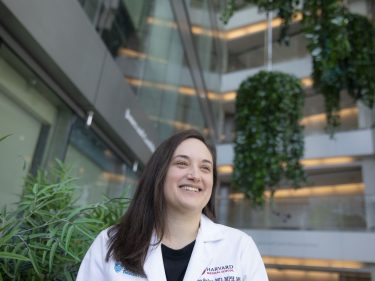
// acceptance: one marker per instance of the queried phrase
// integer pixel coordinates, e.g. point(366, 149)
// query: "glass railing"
point(314, 122)
point(345, 212)
point(254, 55)
point(314, 125)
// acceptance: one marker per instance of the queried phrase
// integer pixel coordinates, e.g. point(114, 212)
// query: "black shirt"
point(176, 261)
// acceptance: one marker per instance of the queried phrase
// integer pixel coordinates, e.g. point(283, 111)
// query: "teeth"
point(190, 188)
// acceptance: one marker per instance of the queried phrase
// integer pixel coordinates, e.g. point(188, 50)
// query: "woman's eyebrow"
point(207, 161)
point(188, 158)
point(182, 156)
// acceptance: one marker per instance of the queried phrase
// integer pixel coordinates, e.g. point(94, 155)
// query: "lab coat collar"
point(208, 230)
point(203, 252)
point(154, 266)
point(204, 248)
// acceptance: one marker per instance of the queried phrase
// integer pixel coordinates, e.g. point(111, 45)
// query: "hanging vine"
point(286, 10)
point(325, 27)
point(269, 143)
point(359, 65)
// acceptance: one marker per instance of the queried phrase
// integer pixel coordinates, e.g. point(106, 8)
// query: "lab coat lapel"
point(200, 259)
point(204, 249)
point(154, 266)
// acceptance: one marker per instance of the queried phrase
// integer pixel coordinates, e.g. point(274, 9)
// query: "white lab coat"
point(220, 253)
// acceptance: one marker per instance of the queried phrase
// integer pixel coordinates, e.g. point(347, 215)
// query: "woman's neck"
point(180, 230)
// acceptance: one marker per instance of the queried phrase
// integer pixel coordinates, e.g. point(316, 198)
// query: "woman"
point(168, 233)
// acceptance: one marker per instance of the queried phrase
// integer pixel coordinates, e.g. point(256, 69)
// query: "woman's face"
point(189, 180)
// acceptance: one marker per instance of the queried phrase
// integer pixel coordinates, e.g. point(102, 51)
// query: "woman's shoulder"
point(231, 232)
point(101, 240)
point(105, 233)
point(227, 232)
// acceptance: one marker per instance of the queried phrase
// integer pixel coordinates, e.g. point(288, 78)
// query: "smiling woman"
point(189, 180)
point(168, 233)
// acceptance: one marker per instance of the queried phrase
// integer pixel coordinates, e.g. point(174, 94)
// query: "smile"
point(190, 188)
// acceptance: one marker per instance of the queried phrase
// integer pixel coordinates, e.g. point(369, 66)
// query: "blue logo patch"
point(118, 267)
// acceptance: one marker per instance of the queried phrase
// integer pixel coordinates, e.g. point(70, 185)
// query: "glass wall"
point(144, 39)
point(98, 170)
point(28, 117)
point(205, 29)
point(37, 128)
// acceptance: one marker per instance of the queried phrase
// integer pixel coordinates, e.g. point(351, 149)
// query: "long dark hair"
point(130, 239)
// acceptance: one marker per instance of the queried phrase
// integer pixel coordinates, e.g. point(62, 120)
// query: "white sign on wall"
point(141, 132)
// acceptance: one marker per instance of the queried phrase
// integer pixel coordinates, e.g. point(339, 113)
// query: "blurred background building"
point(100, 83)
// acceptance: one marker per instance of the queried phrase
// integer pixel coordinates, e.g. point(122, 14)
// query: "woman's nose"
point(194, 175)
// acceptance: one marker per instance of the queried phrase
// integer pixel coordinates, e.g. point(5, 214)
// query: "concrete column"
point(222, 204)
point(366, 119)
point(366, 116)
point(372, 272)
point(368, 173)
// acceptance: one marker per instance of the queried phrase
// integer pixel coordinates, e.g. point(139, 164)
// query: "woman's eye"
point(181, 163)
point(206, 168)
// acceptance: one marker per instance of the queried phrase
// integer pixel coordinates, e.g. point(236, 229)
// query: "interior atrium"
point(98, 84)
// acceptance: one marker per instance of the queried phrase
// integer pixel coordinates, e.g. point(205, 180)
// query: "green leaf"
point(65, 227)
point(52, 255)
point(84, 232)
point(88, 221)
point(68, 236)
point(35, 188)
point(34, 262)
point(6, 255)
point(68, 275)
point(4, 239)
point(5, 269)
point(4, 137)
point(77, 211)
point(67, 251)
point(38, 247)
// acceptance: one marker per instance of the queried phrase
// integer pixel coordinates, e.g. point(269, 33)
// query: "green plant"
point(359, 65)
point(286, 10)
point(228, 12)
point(341, 46)
point(325, 28)
point(269, 142)
point(46, 237)
point(343, 53)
